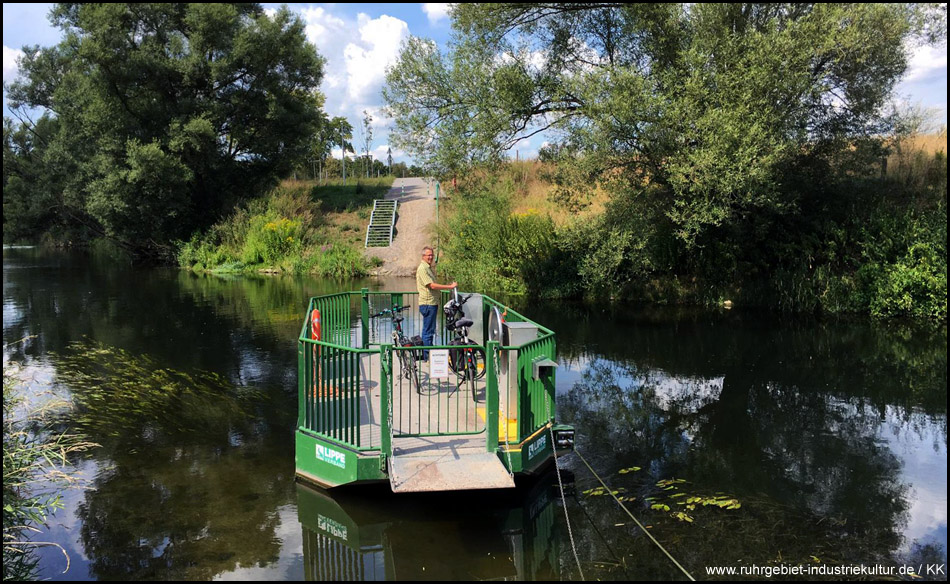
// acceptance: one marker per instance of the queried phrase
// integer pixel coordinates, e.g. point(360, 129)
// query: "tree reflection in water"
point(788, 418)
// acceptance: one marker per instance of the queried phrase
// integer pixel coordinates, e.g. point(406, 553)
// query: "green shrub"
point(915, 285)
point(271, 238)
point(338, 261)
point(488, 247)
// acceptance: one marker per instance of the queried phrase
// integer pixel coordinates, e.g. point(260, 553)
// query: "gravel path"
point(415, 222)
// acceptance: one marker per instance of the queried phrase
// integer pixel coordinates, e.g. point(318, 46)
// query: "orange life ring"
point(315, 332)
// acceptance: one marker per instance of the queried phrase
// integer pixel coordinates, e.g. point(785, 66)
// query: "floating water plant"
point(116, 393)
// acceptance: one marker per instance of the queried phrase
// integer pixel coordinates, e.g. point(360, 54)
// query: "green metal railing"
point(331, 372)
point(355, 354)
point(335, 318)
point(427, 406)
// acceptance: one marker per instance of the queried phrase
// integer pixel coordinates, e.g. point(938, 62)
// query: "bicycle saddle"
point(399, 318)
point(466, 322)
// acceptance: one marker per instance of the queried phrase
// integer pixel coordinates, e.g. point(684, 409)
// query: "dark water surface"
point(761, 440)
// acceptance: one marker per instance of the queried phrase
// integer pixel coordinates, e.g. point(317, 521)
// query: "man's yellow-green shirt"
point(424, 277)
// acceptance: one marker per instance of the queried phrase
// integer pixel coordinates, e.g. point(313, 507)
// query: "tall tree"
point(319, 147)
point(341, 132)
point(367, 135)
point(709, 104)
point(171, 113)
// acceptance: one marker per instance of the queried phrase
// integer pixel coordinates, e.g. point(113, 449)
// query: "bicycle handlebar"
point(389, 311)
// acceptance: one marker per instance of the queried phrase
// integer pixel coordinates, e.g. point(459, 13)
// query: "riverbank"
point(868, 237)
point(300, 227)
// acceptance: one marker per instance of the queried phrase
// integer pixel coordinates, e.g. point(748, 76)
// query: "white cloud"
point(534, 60)
point(436, 11)
point(357, 54)
point(380, 153)
point(321, 27)
point(10, 69)
point(330, 35)
point(367, 61)
point(333, 81)
point(379, 121)
point(924, 62)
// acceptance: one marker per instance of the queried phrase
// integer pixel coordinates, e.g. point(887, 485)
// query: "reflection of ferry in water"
point(479, 412)
point(352, 535)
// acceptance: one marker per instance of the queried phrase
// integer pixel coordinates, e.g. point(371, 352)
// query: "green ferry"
point(473, 415)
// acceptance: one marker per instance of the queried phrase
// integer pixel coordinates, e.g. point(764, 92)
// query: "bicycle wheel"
point(413, 371)
point(455, 360)
point(477, 362)
point(473, 387)
point(405, 364)
point(461, 361)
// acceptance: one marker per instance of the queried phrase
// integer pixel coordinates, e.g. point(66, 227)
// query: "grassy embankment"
point(299, 227)
point(859, 243)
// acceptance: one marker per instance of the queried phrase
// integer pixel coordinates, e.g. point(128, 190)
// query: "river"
point(739, 438)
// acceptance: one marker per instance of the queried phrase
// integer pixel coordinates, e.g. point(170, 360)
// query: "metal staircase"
point(379, 232)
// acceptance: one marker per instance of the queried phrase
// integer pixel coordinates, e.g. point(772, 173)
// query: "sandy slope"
point(414, 223)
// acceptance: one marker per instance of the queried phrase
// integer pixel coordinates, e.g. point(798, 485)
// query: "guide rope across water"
point(627, 511)
point(567, 518)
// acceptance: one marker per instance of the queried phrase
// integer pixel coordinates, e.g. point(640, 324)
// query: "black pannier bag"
point(416, 341)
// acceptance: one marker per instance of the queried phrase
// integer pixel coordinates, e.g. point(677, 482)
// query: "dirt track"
point(415, 221)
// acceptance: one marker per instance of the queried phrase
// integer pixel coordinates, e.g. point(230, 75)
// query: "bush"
point(271, 238)
point(338, 261)
point(259, 233)
point(488, 247)
point(915, 285)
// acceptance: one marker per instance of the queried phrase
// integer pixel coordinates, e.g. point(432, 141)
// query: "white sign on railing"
point(439, 363)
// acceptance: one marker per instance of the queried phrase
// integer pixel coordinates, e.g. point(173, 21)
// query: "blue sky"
point(360, 40)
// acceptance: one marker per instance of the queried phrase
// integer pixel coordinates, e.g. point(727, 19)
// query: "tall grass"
point(918, 161)
point(489, 246)
point(36, 462)
point(532, 188)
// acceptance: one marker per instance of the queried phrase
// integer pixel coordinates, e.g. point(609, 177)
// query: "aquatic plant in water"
point(36, 460)
point(116, 393)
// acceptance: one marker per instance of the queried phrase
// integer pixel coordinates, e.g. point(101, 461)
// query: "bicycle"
point(468, 364)
point(407, 358)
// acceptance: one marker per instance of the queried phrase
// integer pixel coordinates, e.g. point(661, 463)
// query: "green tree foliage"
point(711, 100)
point(168, 114)
point(341, 134)
point(736, 140)
point(31, 183)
